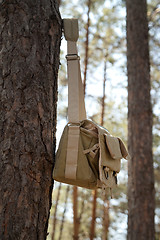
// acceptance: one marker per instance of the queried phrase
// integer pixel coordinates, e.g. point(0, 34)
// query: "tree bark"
point(30, 34)
point(141, 178)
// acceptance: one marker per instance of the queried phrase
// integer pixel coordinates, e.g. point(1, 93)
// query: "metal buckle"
point(72, 57)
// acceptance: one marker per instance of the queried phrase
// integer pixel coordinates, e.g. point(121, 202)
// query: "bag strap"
point(76, 104)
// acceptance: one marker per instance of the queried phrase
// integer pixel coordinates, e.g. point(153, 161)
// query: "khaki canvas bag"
point(88, 155)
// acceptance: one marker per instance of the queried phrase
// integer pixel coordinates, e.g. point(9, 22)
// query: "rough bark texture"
point(30, 33)
point(141, 178)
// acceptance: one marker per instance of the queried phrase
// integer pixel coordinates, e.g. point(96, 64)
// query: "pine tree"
point(30, 34)
point(141, 179)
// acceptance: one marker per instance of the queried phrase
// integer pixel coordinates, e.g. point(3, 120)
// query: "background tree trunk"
point(75, 214)
point(106, 201)
point(104, 92)
point(64, 212)
point(94, 193)
point(86, 46)
point(94, 207)
point(105, 219)
point(55, 211)
point(30, 33)
point(141, 178)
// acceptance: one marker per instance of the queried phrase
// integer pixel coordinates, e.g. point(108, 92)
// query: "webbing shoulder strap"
point(76, 104)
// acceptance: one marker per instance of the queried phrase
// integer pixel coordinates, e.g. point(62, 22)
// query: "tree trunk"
point(75, 214)
point(64, 212)
point(106, 201)
point(93, 222)
point(82, 208)
point(86, 46)
point(104, 92)
point(141, 178)
point(94, 203)
point(105, 219)
point(30, 33)
point(55, 212)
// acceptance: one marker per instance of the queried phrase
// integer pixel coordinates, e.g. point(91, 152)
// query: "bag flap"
point(113, 145)
point(124, 151)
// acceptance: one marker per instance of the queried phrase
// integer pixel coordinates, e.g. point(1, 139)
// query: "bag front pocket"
point(110, 156)
point(88, 142)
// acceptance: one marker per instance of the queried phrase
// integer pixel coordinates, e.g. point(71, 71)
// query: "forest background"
point(102, 48)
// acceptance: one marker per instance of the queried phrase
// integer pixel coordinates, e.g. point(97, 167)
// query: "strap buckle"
point(72, 57)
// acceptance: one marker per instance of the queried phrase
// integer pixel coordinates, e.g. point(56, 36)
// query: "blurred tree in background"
point(141, 195)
